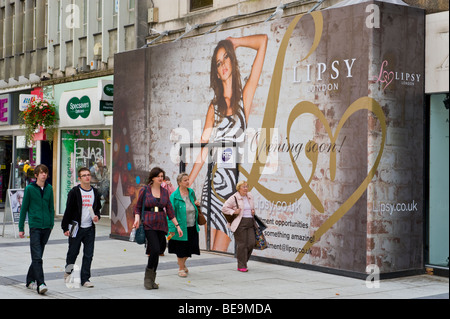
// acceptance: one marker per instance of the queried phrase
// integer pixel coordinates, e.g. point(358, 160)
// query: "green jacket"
point(179, 206)
point(39, 206)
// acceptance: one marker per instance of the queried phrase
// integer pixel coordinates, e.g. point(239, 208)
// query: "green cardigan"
point(39, 206)
point(179, 206)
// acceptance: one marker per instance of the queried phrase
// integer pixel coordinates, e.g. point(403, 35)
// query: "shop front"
point(6, 146)
point(17, 157)
point(84, 139)
point(437, 155)
point(6, 151)
point(329, 133)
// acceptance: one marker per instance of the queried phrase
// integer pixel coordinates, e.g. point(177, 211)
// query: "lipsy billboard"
point(325, 114)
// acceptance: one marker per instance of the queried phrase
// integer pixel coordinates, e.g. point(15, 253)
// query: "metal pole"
point(208, 233)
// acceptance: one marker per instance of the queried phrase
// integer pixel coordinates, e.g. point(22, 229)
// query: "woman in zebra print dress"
point(226, 121)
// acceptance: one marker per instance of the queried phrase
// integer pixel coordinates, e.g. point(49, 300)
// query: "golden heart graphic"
point(304, 107)
point(308, 107)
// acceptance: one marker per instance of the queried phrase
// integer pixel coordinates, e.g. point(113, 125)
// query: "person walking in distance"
point(38, 204)
point(82, 211)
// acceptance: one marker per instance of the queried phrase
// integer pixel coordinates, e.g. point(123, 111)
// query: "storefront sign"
point(106, 106)
point(24, 100)
point(5, 109)
point(328, 129)
point(106, 94)
point(80, 108)
point(106, 89)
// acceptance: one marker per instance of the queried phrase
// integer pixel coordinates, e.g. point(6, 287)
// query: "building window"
point(200, 4)
point(131, 11)
point(35, 22)
point(85, 17)
point(115, 5)
point(99, 14)
point(438, 219)
point(2, 24)
point(58, 24)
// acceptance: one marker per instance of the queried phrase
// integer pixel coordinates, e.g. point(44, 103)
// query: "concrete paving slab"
point(118, 273)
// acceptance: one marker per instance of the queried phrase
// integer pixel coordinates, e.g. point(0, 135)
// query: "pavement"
point(118, 273)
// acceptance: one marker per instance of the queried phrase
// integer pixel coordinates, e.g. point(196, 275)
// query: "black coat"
point(74, 207)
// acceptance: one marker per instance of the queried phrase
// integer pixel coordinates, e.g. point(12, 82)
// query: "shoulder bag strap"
point(235, 199)
point(143, 204)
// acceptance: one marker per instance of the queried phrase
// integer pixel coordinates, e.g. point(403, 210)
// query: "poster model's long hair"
point(216, 82)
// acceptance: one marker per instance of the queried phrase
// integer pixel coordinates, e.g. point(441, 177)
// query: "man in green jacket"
point(38, 204)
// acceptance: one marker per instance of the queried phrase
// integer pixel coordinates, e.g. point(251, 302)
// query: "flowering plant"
point(39, 113)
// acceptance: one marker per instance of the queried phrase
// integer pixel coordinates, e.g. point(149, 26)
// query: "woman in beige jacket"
point(242, 205)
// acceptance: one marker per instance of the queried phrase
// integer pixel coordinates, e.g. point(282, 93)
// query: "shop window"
point(6, 154)
point(25, 161)
point(85, 148)
point(200, 4)
point(439, 182)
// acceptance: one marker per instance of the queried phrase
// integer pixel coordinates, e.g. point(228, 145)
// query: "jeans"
point(87, 237)
point(38, 240)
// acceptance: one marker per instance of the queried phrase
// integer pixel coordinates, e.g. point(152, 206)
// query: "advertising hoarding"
point(329, 126)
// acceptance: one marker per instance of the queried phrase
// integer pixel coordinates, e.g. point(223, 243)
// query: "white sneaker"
point(32, 285)
point(42, 289)
point(88, 284)
point(66, 277)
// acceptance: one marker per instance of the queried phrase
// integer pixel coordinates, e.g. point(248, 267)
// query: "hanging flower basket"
point(40, 121)
point(40, 134)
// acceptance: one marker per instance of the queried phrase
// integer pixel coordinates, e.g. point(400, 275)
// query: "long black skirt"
point(186, 248)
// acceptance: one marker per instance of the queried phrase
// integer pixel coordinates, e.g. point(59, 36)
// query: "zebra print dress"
point(227, 129)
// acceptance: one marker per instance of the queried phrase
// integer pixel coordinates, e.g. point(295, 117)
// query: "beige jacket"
point(229, 207)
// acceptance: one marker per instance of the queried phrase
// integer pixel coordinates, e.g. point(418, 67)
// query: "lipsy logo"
point(386, 77)
point(79, 107)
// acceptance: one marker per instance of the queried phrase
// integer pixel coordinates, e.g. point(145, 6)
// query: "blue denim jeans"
point(87, 237)
point(38, 240)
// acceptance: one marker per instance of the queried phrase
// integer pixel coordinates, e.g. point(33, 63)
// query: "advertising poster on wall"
point(326, 112)
point(15, 200)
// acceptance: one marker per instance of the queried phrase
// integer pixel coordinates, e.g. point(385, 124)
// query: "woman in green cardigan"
point(184, 204)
